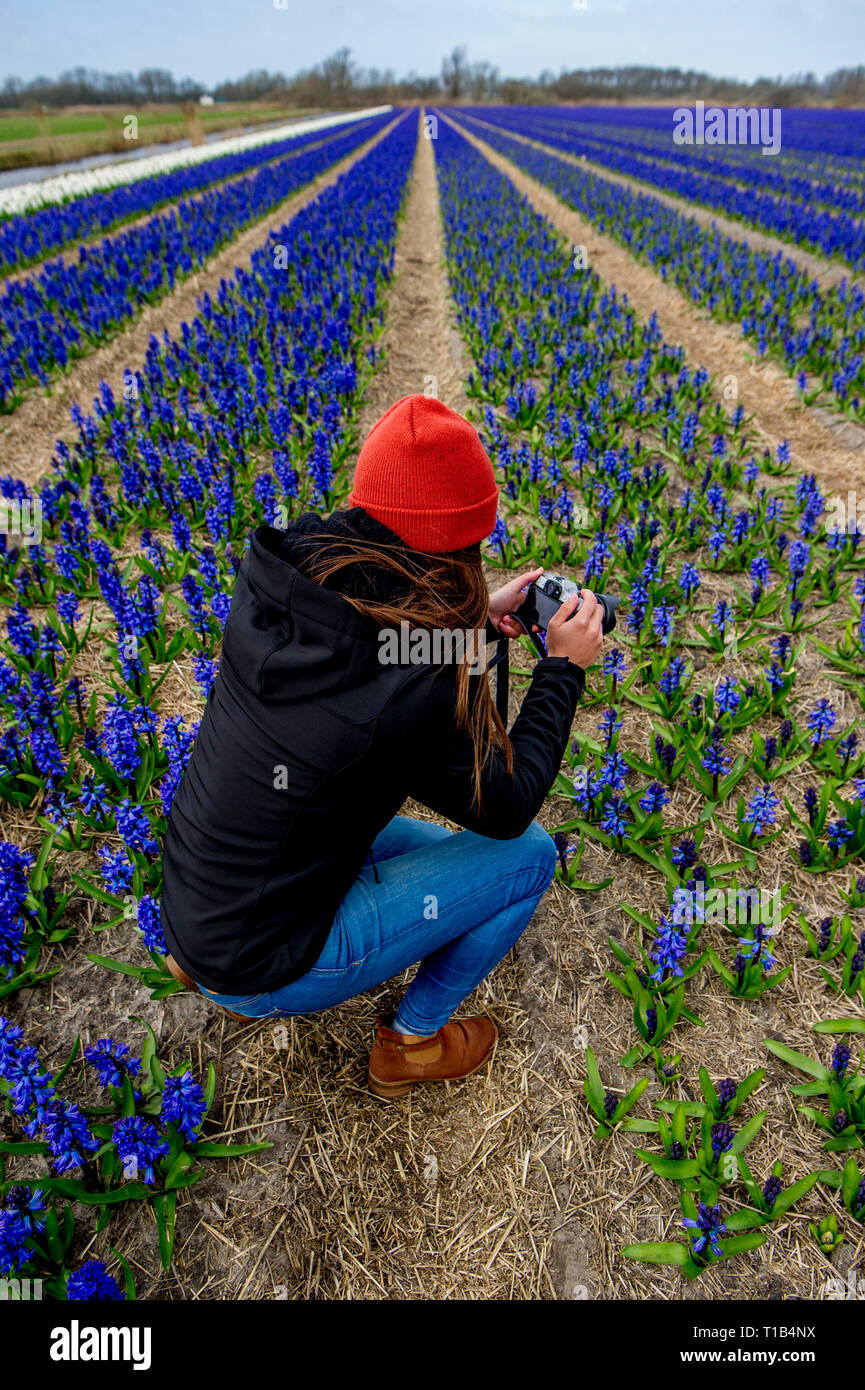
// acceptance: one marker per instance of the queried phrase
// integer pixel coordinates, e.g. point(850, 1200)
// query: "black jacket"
point(309, 745)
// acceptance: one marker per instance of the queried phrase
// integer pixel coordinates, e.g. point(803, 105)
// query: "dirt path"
point(423, 350)
point(820, 443)
point(827, 273)
point(28, 437)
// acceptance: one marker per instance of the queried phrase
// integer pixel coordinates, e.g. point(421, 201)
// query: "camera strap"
point(503, 674)
point(502, 665)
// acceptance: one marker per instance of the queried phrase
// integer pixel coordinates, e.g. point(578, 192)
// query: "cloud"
point(614, 7)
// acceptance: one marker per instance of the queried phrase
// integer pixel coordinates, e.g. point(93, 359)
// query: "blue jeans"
point(456, 902)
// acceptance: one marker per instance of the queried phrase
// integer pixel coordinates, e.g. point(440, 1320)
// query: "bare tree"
point(455, 73)
point(482, 82)
point(337, 81)
point(338, 74)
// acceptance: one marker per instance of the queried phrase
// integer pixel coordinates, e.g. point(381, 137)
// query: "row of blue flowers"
point(617, 464)
point(62, 311)
point(247, 415)
point(818, 335)
point(821, 216)
point(31, 236)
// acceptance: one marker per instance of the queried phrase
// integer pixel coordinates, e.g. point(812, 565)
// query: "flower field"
point(819, 336)
point(789, 197)
point(86, 209)
point(59, 311)
point(679, 1101)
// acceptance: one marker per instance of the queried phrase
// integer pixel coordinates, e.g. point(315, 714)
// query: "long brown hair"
point(443, 591)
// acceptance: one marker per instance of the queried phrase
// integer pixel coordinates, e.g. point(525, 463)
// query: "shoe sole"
point(393, 1090)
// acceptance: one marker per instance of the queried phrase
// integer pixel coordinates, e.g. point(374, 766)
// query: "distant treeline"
point(339, 81)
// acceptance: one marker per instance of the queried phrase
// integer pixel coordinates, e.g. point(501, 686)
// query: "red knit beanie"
point(424, 473)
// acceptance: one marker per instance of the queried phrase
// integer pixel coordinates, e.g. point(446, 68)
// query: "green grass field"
point(58, 136)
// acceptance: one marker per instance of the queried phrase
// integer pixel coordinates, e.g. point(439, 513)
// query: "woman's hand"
point(508, 599)
point(577, 633)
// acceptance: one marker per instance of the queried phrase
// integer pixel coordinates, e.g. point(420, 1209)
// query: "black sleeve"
point(443, 767)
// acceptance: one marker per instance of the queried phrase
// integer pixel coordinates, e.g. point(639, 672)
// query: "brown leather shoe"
point(187, 981)
point(458, 1049)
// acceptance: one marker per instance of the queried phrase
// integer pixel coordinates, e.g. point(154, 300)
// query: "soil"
point(422, 350)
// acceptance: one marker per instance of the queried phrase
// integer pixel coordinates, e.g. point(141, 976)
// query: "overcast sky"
point(214, 39)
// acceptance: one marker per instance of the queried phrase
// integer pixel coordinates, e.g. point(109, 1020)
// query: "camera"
point(546, 596)
point(542, 602)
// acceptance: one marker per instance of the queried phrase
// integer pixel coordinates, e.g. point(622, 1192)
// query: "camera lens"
point(609, 603)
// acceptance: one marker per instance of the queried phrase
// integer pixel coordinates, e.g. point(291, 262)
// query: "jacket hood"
point(289, 638)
